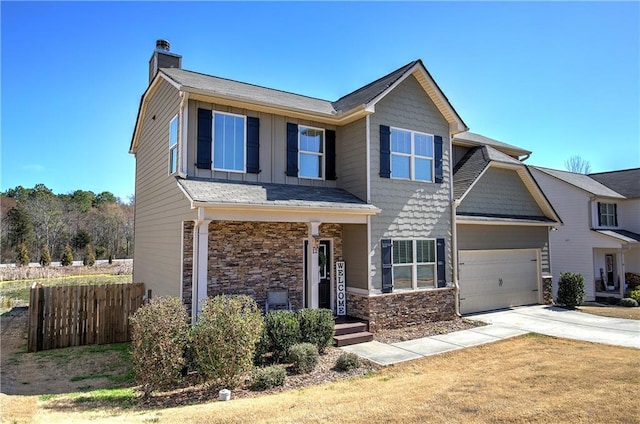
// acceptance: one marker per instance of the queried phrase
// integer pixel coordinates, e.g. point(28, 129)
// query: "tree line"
point(38, 224)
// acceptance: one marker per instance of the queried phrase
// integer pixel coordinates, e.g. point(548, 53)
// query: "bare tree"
point(578, 165)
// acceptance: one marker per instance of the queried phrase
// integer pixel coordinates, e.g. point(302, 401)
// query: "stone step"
point(349, 328)
point(353, 338)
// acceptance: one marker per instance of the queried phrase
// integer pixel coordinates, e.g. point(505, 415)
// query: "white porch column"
point(200, 266)
point(314, 269)
point(623, 280)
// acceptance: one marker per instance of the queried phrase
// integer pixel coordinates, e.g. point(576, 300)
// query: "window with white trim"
point(607, 215)
point(229, 142)
point(411, 155)
point(310, 152)
point(173, 145)
point(414, 264)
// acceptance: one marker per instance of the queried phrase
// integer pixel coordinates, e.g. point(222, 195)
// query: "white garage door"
point(494, 279)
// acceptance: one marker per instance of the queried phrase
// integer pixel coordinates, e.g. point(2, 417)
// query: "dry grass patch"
point(527, 379)
point(612, 311)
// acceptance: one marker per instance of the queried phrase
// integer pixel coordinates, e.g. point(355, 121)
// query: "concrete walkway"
point(503, 324)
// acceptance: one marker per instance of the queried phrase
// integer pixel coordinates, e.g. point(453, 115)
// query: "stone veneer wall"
point(254, 257)
point(187, 263)
point(402, 309)
point(547, 290)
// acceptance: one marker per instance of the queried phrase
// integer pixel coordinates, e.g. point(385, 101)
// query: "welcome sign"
point(341, 290)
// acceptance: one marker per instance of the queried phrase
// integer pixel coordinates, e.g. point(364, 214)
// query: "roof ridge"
point(614, 171)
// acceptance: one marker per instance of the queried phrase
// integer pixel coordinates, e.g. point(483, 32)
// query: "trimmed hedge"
point(303, 357)
point(267, 378)
point(629, 302)
point(283, 331)
point(316, 327)
point(347, 361)
point(570, 289)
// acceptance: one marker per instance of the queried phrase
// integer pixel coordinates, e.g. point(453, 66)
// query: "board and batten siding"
point(161, 207)
point(572, 246)
point(273, 147)
point(500, 191)
point(351, 158)
point(410, 209)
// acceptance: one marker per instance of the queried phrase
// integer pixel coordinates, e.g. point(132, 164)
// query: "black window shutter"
point(615, 214)
point(292, 150)
point(330, 152)
point(253, 145)
point(437, 141)
point(441, 268)
point(205, 139)
point(385, 151)
point(599, 214)
point(387, 266)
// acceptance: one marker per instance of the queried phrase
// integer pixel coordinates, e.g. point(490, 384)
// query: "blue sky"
point(559, 79)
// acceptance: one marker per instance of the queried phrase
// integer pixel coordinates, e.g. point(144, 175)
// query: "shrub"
point(225, 338)
point(612, 300)
point(67, 256)
point(263, 347)
point(304, 357)
point(90, 257)
point(266, 378)
point(45, 256)
point(635, 295)
point(159, 333)
point(570, 289)
point(347, 361)
point(23, 255)
point(629, 302)
point(283, 330)
point(316, 327)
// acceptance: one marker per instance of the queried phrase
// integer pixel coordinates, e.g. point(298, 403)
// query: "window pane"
point(424, 145)
point(400, 166)
point(228, 142)
point(423, 170)
point(400, 141)
point(425, 251)
point(426, 276)
point(173, 160)
point(310, 165)
point(402, 277)
point(173, 132)
point(402, 251)
point(311, 140)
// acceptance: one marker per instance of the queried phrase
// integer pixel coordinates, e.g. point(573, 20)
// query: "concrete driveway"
point(559, 322)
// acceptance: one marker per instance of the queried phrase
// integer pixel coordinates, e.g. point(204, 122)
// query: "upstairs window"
point(607, 215)
point(229, 142)
point(173, 145)
point(411, 155)
point(311, 152)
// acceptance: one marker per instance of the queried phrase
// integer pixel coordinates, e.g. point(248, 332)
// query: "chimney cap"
point(162, 45)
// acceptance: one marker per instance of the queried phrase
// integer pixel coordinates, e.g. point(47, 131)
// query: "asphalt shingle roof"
point(242, 193)
point(624, 235)
point(481, 140)
point(472, 164)
point(582, 181)
point(625, 182)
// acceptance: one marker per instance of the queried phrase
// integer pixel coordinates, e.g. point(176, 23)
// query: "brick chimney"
point(163, 58)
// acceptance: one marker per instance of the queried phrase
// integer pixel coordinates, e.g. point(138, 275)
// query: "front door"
point(324, 265)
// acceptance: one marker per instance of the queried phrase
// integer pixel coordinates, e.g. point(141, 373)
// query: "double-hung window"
point(411, 155)
point(173, 145)
point(311, 152)
point(414, 264)
point(229, 142)
point(607, 215)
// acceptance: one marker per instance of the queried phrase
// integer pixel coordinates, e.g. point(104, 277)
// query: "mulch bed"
point(425, 330)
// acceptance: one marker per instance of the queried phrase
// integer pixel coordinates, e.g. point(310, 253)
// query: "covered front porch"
point(614, 266)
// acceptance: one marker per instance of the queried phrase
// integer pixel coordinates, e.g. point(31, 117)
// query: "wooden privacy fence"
point(66, 316)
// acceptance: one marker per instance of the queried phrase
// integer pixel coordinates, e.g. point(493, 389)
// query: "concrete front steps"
point(350, 333)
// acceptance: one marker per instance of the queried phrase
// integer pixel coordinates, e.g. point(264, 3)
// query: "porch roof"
point(627, 237)
point(214, 192)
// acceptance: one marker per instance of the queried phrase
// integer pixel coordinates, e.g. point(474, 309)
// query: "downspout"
point(454, 254)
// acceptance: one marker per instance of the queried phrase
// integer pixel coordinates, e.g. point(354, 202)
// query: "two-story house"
point(247, 189)
point(600, 238)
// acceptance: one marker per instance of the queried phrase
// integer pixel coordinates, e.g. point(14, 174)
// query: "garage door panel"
point(494, 279)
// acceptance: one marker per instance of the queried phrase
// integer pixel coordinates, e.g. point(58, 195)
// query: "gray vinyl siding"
point(161, 207)
point(410, 209)
point(500, 191)
point(495, 237)
point(351, 158)
point(273, 147)
point(354, 240)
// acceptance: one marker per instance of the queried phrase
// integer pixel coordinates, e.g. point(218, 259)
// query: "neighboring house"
point(502, 224)
point(246, 189)
point(600, 238)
